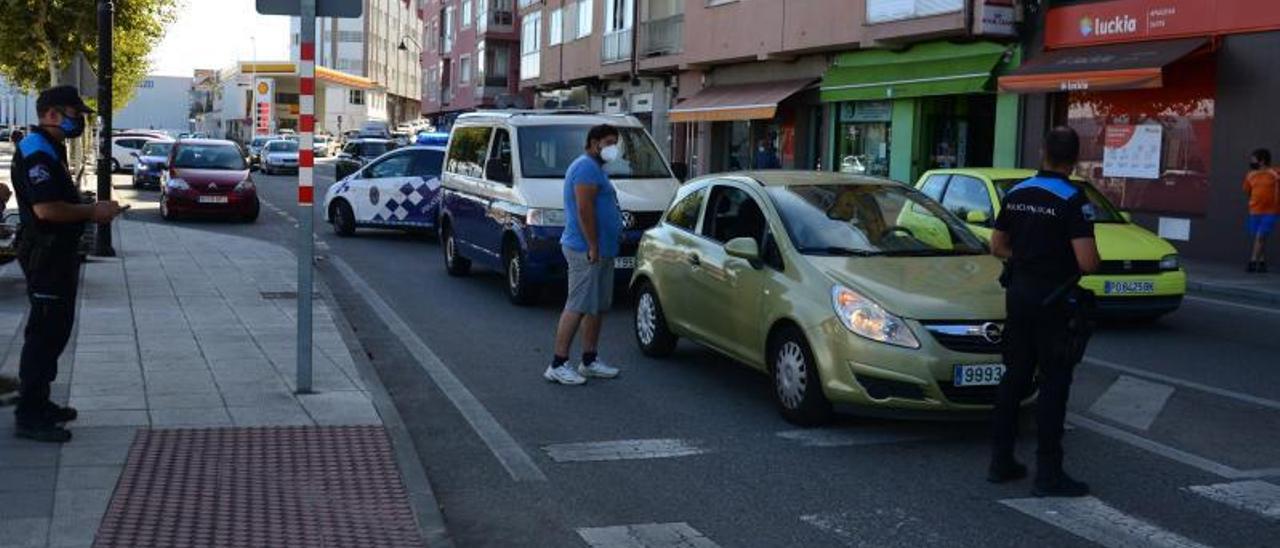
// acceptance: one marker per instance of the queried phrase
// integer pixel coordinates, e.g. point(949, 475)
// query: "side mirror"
point(1128, 217)
point(498, 171)
point(134, 154)
point(744, 248)
point(979, 218)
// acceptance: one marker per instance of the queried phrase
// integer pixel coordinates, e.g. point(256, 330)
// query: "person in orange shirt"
point(1262, 185)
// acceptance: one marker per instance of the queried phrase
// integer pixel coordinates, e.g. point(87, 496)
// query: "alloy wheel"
point(646, 318)
point(790, 374)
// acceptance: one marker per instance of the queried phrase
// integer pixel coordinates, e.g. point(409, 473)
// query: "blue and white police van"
point(399, 190)
point(503, 204)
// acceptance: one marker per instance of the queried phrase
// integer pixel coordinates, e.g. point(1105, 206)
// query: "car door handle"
point(694, 260)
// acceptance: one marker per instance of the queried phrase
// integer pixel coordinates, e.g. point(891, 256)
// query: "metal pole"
point(106, 72)
point(253, 88)
point(306, 175)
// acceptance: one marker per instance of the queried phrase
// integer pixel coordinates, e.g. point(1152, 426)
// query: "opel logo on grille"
point(992, 332)
point(628, 219)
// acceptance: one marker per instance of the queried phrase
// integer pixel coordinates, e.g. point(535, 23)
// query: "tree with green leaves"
point(39, 38)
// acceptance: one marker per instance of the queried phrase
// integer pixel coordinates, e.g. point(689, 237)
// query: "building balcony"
point(662, 36)
point(616, 47)
point(497, 17)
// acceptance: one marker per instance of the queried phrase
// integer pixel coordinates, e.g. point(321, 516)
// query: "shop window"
point(864, 138)
point(1164, 170)
point(959, 130)
point(967, 195)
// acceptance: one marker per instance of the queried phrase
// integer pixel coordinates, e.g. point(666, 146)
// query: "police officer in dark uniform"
point(53, 219)
point(1045, 233)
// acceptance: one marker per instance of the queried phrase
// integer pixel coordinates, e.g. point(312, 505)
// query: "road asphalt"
point(1173, 423)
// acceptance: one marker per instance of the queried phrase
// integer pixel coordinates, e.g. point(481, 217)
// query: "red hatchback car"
point(208, 178)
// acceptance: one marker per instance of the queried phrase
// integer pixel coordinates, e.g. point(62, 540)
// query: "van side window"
point(467, 151)
point(500, 151)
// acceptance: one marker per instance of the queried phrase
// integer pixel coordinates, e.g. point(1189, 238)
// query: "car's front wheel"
point(115, 165)
point(519, 290)
point(165, 212)
point(454, 264)
point(797, 386)
point(252, 215)
point(342, 218)
point(652, 334)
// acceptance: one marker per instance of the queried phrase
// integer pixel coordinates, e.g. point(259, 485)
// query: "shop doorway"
point(958, 131)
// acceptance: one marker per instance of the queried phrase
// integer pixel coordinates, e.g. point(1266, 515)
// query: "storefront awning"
point(933, 68)
point(1100, 68)
point(736, 102)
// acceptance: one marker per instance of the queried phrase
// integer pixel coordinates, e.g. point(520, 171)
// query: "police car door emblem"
point(373, 195)
point(992, 332)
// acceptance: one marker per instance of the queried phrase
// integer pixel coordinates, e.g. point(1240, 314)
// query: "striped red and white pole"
point(306, 123)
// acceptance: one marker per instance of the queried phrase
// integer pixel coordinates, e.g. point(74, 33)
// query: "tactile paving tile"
point(260, 487)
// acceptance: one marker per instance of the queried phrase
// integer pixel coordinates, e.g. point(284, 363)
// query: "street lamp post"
point(106, 73)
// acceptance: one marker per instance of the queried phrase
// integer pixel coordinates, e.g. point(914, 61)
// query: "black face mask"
point(1255, 165)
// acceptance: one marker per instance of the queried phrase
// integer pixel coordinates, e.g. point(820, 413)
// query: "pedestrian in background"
point(52, 218)
point(1262, 186)
point(591, 238)
point(1045, 233)
point(767, 155)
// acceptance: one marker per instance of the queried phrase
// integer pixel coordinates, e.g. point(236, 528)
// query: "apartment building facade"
point(384, 45)
point(868, 87)
point(470, 57)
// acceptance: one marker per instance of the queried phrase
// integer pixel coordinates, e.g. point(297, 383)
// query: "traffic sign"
point(324, 8)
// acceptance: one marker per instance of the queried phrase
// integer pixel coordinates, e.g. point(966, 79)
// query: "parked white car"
point(280, 156)
point(123, 148)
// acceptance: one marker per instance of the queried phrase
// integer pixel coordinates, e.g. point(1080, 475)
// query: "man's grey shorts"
point(590, 285)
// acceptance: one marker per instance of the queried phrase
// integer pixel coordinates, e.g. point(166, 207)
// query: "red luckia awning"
point(1100, 68)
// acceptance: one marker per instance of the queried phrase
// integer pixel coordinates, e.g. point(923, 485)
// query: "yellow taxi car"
point(1140, 276)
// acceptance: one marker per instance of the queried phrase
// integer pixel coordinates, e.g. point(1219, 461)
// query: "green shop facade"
point(899, 113)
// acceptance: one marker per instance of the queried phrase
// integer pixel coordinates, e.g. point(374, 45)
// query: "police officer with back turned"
point(1045, 233)
point(53, 219)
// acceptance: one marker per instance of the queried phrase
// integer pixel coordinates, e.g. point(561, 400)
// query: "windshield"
point(372, 149)
point(156, 149)
point(259, 141)
point(220, 157)
point(282, 146)
point(547, 151)
point(1104, 211)
point(865, 220)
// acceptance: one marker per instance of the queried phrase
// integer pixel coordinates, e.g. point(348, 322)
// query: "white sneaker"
point(563, 375)
point(598, 369)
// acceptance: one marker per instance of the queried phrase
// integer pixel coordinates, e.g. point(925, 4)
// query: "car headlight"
point(245, 185)
point(544, 217)
point(177, 184)
point(867, 319)
point(1170, 262)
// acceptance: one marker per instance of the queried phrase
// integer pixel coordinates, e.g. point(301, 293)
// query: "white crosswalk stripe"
point(818, 437)
point(1255, 496)
point(881, 526)
point(623, 450)
point(1132, 402)
point(646, 535)
point(1092, 519)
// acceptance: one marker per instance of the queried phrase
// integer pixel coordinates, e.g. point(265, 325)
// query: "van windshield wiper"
point(931, 252)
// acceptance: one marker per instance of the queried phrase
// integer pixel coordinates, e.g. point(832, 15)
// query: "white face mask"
point(610, 153)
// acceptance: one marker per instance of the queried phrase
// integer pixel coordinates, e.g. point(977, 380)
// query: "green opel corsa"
point(845, 289)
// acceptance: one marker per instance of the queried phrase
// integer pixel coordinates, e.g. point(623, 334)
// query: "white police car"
point(400, 189)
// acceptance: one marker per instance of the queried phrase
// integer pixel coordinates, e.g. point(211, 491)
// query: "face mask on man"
point(72, 126)
point(610, 153)
point(1255, 165)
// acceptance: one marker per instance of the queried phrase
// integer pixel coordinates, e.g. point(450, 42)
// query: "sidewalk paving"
point(188, 329)
point(1230, 280)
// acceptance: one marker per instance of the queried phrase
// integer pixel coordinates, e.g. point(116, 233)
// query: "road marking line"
point(646, 535)
point(513, 458)
point(1255, 496)
point(623, 450)
point(1233, 304)
point(1231, 394)
point(1132, 402)
point(849, 437)
point(1092, 519)
point(878, 526)
point(1189, 459)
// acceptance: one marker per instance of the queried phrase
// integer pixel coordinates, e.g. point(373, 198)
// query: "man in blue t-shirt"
point(592, 234)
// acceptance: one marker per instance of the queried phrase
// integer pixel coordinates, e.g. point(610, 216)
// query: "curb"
point(413, 473)
point(1255, 296)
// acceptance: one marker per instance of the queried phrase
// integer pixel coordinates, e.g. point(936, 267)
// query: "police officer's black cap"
point(61, 96)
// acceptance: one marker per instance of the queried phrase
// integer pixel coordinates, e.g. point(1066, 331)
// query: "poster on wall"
point(1132, 151)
